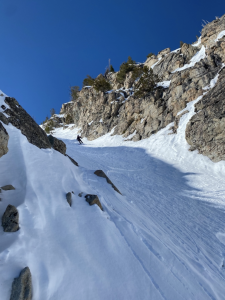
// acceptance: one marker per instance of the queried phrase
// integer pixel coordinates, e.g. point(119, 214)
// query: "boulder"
point(58, 145)
point(93, 199)
point(10, 219)
point(4, 137)
point(69, 198)
point(8, 187)
point(19, 118)
point(100, 173)
point(22, 286)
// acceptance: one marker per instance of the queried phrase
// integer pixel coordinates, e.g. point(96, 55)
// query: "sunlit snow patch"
point(196, 58)
point(220, 35)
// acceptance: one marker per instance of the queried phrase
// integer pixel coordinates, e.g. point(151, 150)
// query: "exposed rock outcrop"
point(4, 137)
point(10, 219)
point(19, 118)
point(185, 73)
point(57, 144)
point(100, 173)
point(22, 286)
point(93, 199)
point(206, 129)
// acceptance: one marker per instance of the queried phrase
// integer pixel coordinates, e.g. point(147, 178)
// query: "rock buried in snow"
point(58, 145)
point(80, 194)
point(10, 219)
point(69, 198)
point(22, 286)
point(8, 187)
point(93, 199)
point(100, 173)
point(72, 160)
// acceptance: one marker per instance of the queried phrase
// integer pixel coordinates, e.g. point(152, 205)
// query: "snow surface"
point(196, 58)
point(164, 238)
point(220, 35)
point(164, 84)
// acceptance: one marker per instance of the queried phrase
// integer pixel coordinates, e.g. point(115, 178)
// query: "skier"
point(79, 139)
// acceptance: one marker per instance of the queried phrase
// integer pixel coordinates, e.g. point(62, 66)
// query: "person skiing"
point(79, 139)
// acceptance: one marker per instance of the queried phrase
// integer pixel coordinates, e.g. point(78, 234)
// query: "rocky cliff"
point(185, 74)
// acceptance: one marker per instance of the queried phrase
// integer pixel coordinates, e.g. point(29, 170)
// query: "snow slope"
point(164, 238)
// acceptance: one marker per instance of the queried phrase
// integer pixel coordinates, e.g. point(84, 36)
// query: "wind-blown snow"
point(196, 58)
point(164, 238)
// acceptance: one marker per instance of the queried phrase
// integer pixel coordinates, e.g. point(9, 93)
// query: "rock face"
point(4, 137)
point(57, 144)
point(206, 129)
point(119, 112)
point(10, 219)
point(100, 173)
point(69, 198)
point(19, 118)
point(93, 199)
point(22, 286)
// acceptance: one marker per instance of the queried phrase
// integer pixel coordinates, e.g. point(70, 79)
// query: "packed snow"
point(163, 238)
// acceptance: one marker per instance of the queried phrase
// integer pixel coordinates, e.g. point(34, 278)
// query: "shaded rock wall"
point(19, 118)
point(206, 129)
point(4, 137)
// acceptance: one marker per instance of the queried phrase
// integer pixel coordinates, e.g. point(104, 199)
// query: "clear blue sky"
point(48, 45)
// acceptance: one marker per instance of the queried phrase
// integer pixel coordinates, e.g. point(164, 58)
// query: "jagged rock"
point(4, 137)
point(22, 286)
point(19, 118)
point(8, 187)
point(93, 199)
point(119, 112)
point(72, 160)
point(100, 173)
point(57, 144)
point(10, 219)
point(188, 51)
point(211, 31)
point(206, 129)
point(69, 198)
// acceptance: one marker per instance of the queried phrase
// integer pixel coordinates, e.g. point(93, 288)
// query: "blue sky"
point(46, 46)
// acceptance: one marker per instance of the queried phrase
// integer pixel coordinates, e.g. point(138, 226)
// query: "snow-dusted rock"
point(22, 286)
point(10, 219)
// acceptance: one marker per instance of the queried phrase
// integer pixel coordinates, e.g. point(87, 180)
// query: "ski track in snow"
point(163, 238)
